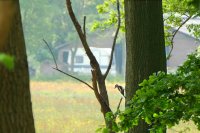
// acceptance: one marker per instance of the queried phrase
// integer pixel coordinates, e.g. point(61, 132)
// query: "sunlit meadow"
point(70, 107)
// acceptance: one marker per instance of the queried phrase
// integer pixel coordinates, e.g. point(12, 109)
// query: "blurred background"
point(61, 104)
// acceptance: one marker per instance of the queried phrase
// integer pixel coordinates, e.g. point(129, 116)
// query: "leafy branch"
point(175, 11)
point(165, 99)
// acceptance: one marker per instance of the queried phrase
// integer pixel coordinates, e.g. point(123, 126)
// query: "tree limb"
point(174, 34)
point(56, 68)
point(54, 59)
point(114, 40)
point(104, 106)
point(119, 104)
point(80, 33)
point(84, 24)
point(93, 62)
point(74, 77)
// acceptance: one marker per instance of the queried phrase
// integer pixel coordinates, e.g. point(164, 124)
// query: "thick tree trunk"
point(15, 99)
point(144, 44)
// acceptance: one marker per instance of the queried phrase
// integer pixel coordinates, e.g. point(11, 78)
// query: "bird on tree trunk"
point(121, 90)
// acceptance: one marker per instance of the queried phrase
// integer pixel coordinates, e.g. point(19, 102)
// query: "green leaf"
point(7, 61)
point(147, 120)
point(155, 115)
point(105, 130)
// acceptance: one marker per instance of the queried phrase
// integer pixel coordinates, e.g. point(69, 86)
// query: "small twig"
point(114, 41)
point(54, 59)
point(74, 78)
point(84, 25)
point(174, 34)
point(119, 104)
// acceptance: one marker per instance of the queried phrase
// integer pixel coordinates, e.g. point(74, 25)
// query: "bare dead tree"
point(98, 78)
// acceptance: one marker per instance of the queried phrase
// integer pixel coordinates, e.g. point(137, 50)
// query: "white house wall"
point(183, 45)
point(102, 55)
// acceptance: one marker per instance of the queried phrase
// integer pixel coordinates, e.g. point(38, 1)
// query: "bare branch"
point(102, 92)
point(54, 59)
point(119, 103)
point(114, 40)
point(74, 78)
point(80, 33)
point(56, 68)
point(84, 24)
point(174, 34)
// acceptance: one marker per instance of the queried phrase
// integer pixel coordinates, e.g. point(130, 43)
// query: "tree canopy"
point(176, 13)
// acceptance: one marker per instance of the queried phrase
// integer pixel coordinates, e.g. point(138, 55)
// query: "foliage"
point(195, 3)
point(175, 13)
point(7, 61)
point(164, 99)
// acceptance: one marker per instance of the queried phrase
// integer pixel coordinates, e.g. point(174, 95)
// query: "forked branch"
point(104, 106)
point(82, 35)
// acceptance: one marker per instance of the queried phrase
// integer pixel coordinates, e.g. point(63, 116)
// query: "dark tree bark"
point(144, 44)
point(15, 99)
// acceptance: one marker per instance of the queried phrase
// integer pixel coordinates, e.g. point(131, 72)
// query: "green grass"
point(70, 107)
point(61, 77)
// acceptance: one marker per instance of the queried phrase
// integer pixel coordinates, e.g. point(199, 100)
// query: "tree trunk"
point(144, 44)
point(15, 99)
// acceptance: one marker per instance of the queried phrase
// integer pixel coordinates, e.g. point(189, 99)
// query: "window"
point(79, 59)
point(65, 56)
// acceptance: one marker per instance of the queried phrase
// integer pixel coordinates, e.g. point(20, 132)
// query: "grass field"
point(70, 107)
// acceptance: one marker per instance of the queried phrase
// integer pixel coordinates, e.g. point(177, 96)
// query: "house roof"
point(100, 40)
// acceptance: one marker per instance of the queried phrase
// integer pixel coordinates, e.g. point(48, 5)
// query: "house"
point(72, 57)
point(81, 62)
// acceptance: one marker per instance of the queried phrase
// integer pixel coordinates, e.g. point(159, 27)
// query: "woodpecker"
point(120, 89)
